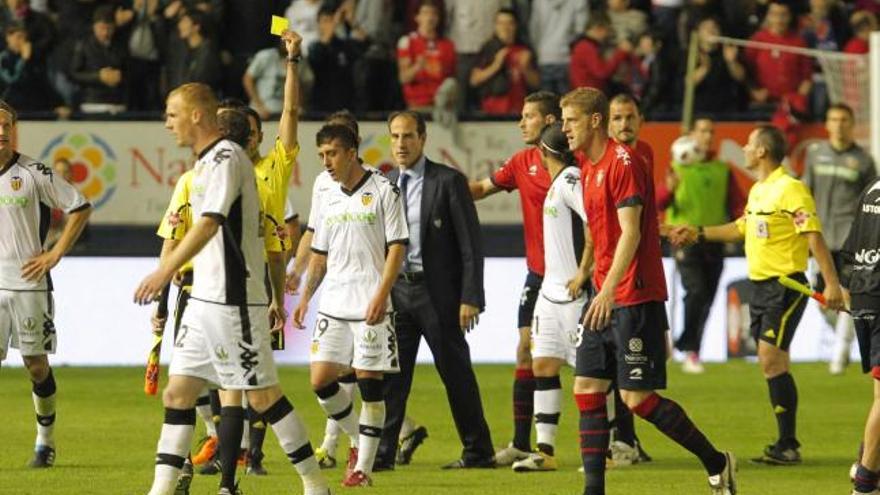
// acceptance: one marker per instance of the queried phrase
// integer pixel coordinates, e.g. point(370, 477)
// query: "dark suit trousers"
point(417, 317)
point(700, 267)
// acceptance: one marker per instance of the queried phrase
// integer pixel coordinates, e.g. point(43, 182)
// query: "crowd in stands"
point(473, 58)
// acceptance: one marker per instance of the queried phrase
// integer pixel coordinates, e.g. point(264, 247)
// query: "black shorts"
point(867, 323)
point(528, 299)
point(776, 311)
point(631, 351)
point(837, 257)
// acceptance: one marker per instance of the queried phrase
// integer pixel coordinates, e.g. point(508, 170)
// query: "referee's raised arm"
point(287, 128)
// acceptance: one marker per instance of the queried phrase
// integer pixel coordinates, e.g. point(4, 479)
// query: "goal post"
point(853, 79)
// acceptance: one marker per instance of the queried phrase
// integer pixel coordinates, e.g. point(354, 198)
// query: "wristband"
point(701, 234)
point(294, 60)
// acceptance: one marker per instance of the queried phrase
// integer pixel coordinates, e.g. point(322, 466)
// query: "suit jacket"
point(452, 252)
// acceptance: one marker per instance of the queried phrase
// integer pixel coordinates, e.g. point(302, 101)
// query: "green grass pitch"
point(107, 432)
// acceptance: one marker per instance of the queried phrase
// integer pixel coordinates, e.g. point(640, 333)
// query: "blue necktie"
point(404, 181)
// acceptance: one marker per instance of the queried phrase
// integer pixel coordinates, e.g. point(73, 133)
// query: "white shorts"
point(555, 329)
point(26, 322)
point(356, 344)
point(225, 345)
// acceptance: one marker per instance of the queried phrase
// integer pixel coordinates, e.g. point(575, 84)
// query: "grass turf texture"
point(107, 431)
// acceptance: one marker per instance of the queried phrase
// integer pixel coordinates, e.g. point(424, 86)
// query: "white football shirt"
point(230, 269)
point(29, 190)
point(564, 198)
point(324, 183)
point(356, 228)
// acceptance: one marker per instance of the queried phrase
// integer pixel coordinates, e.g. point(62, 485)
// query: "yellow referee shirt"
point(273, 174)
point(178, 216)
point(779, 210)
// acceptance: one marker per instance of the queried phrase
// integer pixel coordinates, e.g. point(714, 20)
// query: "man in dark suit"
point(439, 293)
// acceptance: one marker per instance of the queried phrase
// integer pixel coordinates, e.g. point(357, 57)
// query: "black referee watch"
point(295, 59)
point(701, 234)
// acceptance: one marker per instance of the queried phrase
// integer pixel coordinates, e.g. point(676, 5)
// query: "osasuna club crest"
point(600, 175)
point(16, 183)
point(367, 198)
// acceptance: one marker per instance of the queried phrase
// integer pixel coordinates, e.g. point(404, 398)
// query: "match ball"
point(685, 151)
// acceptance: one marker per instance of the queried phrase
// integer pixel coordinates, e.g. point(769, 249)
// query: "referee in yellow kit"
point(779, 226)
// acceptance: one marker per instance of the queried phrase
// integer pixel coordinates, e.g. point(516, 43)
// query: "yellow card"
point(279, 25)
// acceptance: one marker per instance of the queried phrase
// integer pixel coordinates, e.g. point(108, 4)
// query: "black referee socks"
point(229, 432)
point(784, 399)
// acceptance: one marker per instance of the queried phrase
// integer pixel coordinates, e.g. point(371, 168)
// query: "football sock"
point(594, 437)
point(371, 422)
point(294, 441)
point(348, 383)
point(43, 395)
point(230, 434)
point(624, 422)
point(671, 419)
point(784, 399)
point(548, 397)
point(174, 441)
point(523, 408)
point(331, 437)
point(214, 397)
point(203, 408)
point(257, 434)
point(338, 406)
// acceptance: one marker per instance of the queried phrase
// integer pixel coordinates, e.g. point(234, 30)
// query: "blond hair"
point(197, 96)
point(588, 100)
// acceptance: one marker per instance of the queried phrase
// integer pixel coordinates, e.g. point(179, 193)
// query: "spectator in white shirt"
point(470, 25)
point(553, 25)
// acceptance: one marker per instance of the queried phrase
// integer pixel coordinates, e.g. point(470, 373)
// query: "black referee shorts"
point(528, 299)
point(630, 351)
point(776, 311)
point(867, 323)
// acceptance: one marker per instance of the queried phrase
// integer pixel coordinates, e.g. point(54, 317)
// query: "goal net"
point(847, 78)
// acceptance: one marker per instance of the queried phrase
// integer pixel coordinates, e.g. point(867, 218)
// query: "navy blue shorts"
point(631, 351)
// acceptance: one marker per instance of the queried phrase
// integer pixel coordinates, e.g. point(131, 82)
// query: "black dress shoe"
point(381, 465)
point(462, 464)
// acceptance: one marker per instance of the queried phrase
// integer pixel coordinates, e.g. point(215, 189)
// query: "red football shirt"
point(439, 57)
point(525, 172)
point(643, 150)
point(617, 180)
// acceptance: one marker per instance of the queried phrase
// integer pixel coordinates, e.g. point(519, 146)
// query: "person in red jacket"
point(425, 58)
point(588, 67)
point(778, 75)
point(862, 23)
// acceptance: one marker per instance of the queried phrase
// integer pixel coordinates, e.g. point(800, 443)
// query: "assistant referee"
point(780, 228)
